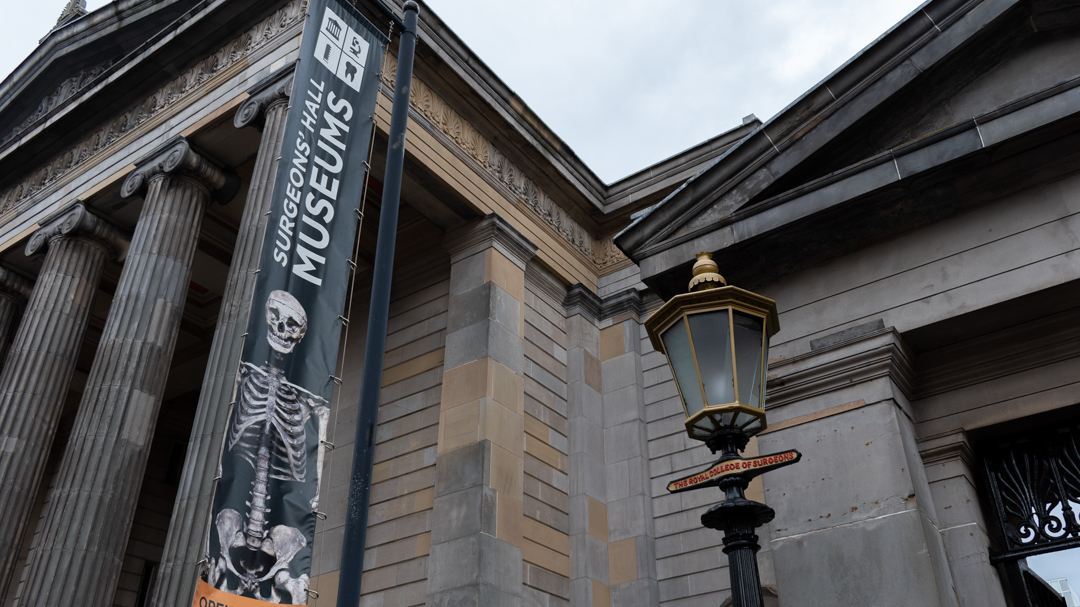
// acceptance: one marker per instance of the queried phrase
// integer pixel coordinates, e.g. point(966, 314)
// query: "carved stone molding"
point(608, 257)
point(254, 39)
point(177, 158)
point(78, 221)
point(432, 107)
point(14, 286)
point(67, 89)
point(276, 88)
point(490, 232)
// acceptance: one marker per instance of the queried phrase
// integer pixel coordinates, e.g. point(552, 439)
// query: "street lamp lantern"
point(716, 340)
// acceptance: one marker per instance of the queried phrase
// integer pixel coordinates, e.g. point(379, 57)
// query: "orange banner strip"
point(208, 596)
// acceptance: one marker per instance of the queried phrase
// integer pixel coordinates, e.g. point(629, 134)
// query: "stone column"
point(78, 557)
point(476, 522)
point(14, 291)
point(185, 544)
point(34, 382)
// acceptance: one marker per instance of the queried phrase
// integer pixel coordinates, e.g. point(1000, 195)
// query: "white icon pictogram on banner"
point(341, 49)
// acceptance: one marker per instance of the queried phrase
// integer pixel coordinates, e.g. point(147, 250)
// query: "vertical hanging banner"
point(262, 526)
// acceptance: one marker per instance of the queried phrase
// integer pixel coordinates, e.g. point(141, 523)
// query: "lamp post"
point(716, 340)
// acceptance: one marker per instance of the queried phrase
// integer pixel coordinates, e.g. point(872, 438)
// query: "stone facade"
point(922, 261)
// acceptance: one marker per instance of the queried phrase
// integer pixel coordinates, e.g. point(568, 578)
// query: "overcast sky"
point(625, 83)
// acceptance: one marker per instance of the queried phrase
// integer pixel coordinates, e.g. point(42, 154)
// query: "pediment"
point(943, 69)
point(74, 56)
point(93, 69)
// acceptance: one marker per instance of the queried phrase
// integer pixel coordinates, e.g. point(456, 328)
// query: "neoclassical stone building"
point(914, 216)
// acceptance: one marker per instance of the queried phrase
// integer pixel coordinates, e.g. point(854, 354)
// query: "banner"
point(259, 545)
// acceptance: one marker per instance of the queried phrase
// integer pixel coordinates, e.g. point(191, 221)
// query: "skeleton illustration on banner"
point(269, 430)
point(260, 531)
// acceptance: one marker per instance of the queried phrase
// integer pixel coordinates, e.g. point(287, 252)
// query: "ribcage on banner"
point(274, 410)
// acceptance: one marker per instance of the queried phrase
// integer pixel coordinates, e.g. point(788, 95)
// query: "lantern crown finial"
point(706, 274)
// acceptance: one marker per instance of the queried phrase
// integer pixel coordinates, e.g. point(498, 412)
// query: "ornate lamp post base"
point(737, 516)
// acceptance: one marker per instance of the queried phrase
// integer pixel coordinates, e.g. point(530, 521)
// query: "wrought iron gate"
point(1034, 484)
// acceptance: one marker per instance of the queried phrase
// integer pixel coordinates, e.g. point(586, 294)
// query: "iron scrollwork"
point(1035, 484)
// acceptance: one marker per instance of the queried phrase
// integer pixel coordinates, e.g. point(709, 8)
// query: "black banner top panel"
point(263, 520)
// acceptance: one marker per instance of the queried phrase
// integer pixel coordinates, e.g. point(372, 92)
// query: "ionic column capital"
point(177, 157)
point(276, 88)
point(15, 286)
point(74, 221)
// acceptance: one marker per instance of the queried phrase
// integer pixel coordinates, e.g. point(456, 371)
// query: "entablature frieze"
point(599, 253)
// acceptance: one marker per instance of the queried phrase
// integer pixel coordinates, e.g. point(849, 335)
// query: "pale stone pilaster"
point(632, 534)
point(476, 534)
point(589, 566)
point(868, 532)
point(78, 558)
point(35, 378)
point(950, 470)
point(185, 544)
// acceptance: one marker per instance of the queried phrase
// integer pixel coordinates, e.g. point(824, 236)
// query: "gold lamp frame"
point(707, 295)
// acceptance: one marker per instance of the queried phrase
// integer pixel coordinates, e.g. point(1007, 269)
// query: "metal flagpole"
point(352, 550)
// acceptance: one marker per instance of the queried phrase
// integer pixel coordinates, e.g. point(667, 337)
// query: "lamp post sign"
point(748, 468)
point(716, 340)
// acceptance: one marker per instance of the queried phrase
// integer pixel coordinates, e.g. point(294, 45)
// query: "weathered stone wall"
point(546, 525)
point(399, 526)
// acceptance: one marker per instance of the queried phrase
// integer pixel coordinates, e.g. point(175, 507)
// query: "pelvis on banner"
point(268, 431)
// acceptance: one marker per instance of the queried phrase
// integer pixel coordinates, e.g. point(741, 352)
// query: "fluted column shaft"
point(34, 381)
point(76, 562)
point(14, 291)
point(185, 543)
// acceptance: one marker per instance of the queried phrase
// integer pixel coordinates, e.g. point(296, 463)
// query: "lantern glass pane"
point(764, 372)
point(748, 353)
point(753, 428)
point(710, 331)
point(681, 357)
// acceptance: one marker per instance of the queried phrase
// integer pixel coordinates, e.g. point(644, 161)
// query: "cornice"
point(581, 300)
point(178, 158)
point(630, 300)
point(490, 232)
point(76, 221)
point(544, 284)
point(871, 356)
point(275, 88)
point(947, 447)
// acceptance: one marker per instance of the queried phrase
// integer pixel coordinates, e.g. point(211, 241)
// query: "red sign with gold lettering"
point(747, 467)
